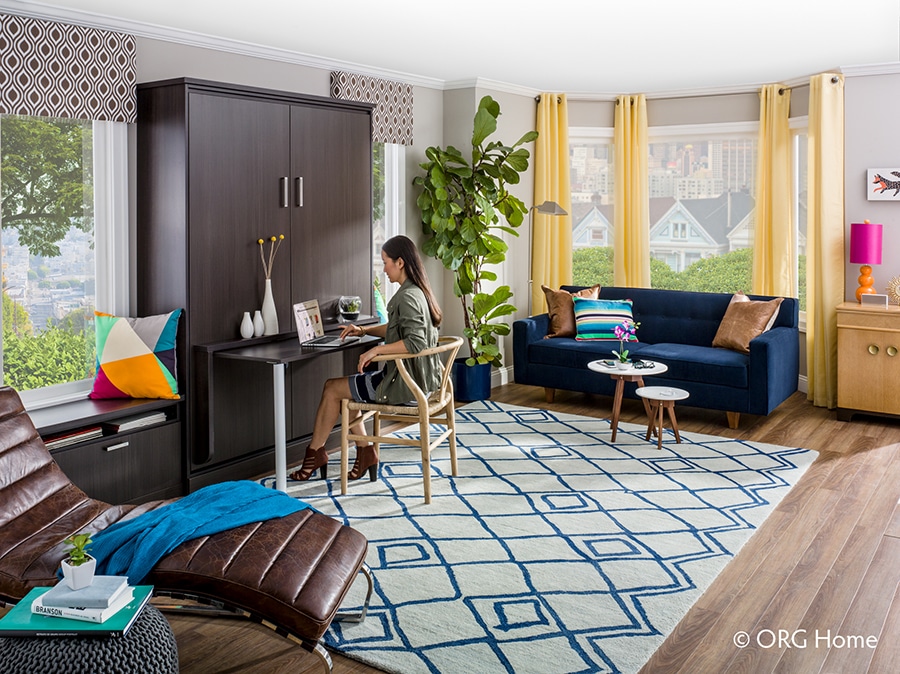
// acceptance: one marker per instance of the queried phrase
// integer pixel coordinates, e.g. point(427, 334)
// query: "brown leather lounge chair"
point(289, 573)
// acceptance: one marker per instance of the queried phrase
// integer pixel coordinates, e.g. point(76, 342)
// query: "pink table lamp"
point(865, 250)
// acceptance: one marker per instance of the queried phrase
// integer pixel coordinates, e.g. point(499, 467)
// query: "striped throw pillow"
point(596, 319)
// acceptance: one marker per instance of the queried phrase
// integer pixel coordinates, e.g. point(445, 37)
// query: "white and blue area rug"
point(553, 550)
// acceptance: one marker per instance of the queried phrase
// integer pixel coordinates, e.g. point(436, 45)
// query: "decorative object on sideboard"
point(246, 326)
point(885, 184)
point(259, 326)
point(875, 300)
point(893, 289)
point(269, 313)
point(348, 307)
point(78, 566)
point(865, 250)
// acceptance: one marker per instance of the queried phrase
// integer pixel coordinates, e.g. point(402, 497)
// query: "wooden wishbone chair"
point(436, 408)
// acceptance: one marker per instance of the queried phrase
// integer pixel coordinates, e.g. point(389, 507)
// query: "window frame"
point(111, 252)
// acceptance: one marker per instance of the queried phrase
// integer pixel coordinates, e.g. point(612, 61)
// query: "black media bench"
point(128, 466)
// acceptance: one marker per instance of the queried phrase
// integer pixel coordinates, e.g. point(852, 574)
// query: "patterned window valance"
point(392, 119)
point(52, 69)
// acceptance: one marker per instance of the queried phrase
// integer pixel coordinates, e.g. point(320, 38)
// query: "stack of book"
point(65, 439)
point(108, 607)
point(138, 421)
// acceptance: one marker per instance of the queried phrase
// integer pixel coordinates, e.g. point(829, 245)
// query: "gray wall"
point(870, 142)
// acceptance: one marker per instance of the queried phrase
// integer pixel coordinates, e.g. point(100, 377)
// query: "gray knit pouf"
point(148, 648)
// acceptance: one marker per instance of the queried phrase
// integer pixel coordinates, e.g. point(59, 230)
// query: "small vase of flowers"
point(624, 333)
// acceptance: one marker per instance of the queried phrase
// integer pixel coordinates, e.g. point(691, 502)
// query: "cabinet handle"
point(873, 349)
point(283, 184)
point(112, 448)
point(892, 351)
point(298, 191)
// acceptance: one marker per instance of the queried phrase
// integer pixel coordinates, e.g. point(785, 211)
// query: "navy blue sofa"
point(677, 328)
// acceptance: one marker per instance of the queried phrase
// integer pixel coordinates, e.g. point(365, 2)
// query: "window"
point(50, 243)
point(593, 183)
point(702, 207)
point(388, 184)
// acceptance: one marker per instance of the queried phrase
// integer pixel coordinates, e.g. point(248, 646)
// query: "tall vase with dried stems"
point(269, 312)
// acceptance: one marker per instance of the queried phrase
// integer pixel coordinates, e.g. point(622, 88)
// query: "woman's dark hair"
point(398, 247)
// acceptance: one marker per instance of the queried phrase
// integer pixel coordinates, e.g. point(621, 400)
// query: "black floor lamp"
point(547, 208)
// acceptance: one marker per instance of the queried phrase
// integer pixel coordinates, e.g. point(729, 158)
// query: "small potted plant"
point(78, 566)
point(624, 333)
point(348, 306)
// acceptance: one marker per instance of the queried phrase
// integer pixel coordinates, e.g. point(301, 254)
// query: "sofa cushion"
point(573, 353)
point(702, 364)
point(598, 319)
point(745, 321)
point(561, 309)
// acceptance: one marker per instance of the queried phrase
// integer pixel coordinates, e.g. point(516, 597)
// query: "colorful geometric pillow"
point(596, 319)
point(136, 356)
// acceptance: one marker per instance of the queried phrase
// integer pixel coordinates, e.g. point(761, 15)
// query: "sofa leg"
point(549, 394)
point(734, 419)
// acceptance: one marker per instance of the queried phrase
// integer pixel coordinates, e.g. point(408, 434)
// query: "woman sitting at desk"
point(413, 320)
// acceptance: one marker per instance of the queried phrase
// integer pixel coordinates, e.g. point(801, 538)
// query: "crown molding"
point(36, 10)
point(892, 68)
point(493, 85)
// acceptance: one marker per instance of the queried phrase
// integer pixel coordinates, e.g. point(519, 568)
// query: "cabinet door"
point(332, 232)
point(868, 369)
point(239, 165)
point(127, 467)
point(331, 153)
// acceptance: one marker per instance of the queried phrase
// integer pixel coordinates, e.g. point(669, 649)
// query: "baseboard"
point(803, 384)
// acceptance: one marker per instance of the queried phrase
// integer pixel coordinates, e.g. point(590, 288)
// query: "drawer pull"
point(892, 351)
point(112, 448)
point(873, 349)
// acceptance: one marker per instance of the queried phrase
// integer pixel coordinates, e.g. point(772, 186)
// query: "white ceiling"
point(573, 46)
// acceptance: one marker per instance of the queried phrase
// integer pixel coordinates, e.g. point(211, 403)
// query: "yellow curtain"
point(551, 242)
point(825, 235)
point(774, 248)
point(631, 250)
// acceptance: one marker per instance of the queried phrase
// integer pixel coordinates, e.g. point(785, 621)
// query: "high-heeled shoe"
point(366, 460)
point(314, 458)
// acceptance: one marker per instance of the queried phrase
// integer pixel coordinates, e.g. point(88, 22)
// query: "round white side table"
point(662, 397)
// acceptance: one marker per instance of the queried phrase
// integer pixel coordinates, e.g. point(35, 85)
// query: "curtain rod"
point(537, 99)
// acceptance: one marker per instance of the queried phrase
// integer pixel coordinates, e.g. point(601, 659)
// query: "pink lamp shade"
point(865, 243)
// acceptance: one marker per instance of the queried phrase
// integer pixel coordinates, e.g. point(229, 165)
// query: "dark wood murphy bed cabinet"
point(220, 166)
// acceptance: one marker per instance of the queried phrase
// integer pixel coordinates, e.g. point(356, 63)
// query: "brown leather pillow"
point(743, 321)
point(562, 309)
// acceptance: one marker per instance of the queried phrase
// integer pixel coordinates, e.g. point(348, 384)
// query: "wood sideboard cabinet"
point(220, 166)
point(868, 359)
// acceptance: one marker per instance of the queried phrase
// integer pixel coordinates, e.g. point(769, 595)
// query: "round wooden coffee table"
point(621, 375)
point(662, 397)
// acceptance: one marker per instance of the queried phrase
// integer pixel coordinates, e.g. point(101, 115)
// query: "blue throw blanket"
point(132, 547)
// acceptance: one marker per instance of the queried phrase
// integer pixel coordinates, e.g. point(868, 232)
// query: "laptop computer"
point(330, 340)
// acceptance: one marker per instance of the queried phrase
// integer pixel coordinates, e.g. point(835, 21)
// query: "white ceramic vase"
point(80, 576)
point(259, 327)
point(269, 315)
point(246, 326)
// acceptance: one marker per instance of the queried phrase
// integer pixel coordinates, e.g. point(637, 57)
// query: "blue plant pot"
point(471, 382)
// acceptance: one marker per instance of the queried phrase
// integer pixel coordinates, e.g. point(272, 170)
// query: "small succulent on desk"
point(275, 242)
point(624, 333)
point(78, 566)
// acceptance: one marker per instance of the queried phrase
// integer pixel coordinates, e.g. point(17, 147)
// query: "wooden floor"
point(822, 572)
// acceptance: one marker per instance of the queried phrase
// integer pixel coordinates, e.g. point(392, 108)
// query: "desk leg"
point(278, 371)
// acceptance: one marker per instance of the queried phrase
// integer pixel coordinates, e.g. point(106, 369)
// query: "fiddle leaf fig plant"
point(465, 205)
